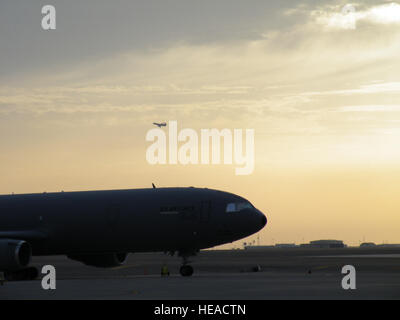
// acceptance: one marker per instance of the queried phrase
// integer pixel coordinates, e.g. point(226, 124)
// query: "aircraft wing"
point(23, 235)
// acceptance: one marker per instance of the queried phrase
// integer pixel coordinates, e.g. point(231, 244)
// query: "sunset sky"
point(320, 87)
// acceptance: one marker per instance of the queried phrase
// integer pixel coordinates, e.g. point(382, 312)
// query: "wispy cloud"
point(370, 108)
point(376, 88)
point(347, 17)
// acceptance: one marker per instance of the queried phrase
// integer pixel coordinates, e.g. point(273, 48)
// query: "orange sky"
point(322, 96)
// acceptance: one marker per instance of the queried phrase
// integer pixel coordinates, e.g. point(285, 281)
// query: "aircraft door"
point(205, 211)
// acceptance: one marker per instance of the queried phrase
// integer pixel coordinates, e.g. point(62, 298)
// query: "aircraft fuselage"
point(140, 220)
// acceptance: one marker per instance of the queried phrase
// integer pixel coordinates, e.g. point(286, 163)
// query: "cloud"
point(96, 29)
point(284, 82)
point(376, 88)
point(348, 17)
point(370, 108)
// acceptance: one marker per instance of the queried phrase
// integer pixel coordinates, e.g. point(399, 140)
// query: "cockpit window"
point(238, 206)
point(231, 207)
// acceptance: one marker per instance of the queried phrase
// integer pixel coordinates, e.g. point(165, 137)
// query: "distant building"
point(320, 244)
point(367, 245)
point(389, 245)
point(323, 244)
point(258, 247)
point(285, 245)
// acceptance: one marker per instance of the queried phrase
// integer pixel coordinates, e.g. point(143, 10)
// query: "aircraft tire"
point(186, 271)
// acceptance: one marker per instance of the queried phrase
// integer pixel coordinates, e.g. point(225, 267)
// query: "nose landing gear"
point(186, 270)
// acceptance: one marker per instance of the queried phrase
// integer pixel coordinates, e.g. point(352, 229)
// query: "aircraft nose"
point(261, 219)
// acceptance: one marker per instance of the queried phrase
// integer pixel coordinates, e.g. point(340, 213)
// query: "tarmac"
point(269, 274)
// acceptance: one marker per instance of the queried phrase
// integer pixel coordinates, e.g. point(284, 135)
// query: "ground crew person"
point(164, 271)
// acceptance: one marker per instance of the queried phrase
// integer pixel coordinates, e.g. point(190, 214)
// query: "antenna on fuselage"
point(154, 187)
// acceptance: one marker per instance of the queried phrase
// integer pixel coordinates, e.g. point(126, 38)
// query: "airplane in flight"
point(100, 228)
point(163, 124)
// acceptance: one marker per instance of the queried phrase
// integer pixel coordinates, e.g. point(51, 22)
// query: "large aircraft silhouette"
point(100, 228)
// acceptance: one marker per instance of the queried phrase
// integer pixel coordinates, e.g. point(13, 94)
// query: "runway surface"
point(229, 275)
